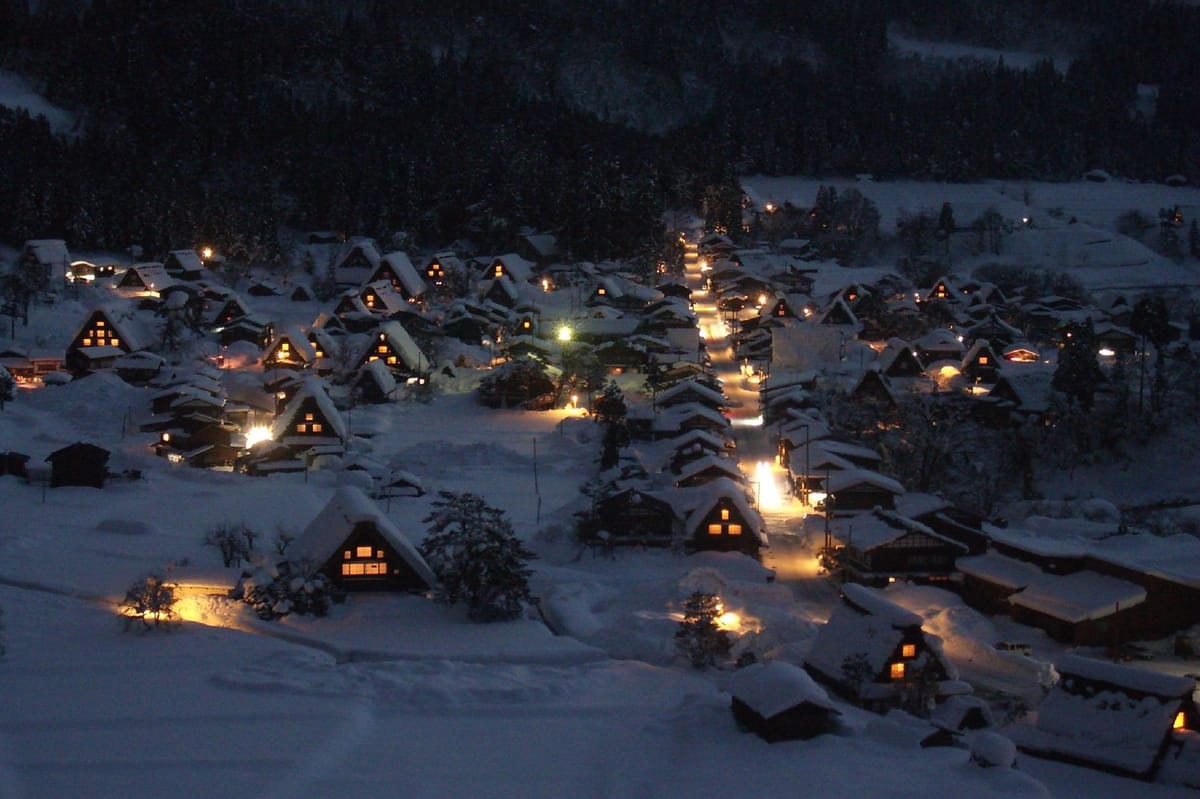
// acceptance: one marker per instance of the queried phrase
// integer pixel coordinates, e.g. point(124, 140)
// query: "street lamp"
point(564, 334)
point(807, 462)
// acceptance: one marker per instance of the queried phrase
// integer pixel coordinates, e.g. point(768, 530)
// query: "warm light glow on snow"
point(770, 492)
point(753, 421)
point(256, 434)
point(729, 620)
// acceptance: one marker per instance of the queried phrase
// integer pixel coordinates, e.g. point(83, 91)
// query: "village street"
point(790, 552)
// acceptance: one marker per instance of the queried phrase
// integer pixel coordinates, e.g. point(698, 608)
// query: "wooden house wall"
point(798, 723)
point(1169, 607)
point(398, 577)
point(725, 541)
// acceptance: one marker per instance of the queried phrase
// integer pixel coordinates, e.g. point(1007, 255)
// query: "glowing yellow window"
point(601, 291)
point(379, 553)
point(499, 270)
point(116, 342)
point(319, 353)
point(391, 359)
point(346, 554)
point(99, 323)
point(284, 346)
point(724, 514)
point(101, 333)
point(908, 651)
point(983, 360)
point(363, 552)
point(87, 342)
point(714, 529)
point(370, 301)
point(302, 428)
point(897, 671)
point(316, 428)
point(1180, 721)
point(308, 417)
point(735, 529)
point(382, 348)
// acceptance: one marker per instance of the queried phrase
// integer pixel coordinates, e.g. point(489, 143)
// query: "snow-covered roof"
point(1079, 596)
point(865, 624)
point(880, 527)
point(400, 341)
point(773, 687)
point(696, 502)
point(313, 389)
point(1000, 570)
point(402, 267)
point(515, 266)
point(1107, 714)
point(710, 462)
point(840, 481)
point(332, 526)
point(685, 387)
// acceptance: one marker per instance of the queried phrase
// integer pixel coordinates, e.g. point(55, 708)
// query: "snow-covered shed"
point(874, 652)
point(1115, 718)
point(359, 548)
point(779, 701)
point(1083, 608)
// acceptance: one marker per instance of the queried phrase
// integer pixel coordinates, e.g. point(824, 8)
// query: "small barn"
point(360, 549)
point(184, 265)
point(78, 464)
point(1116, 718)
point(632, 516)
point(779, 701)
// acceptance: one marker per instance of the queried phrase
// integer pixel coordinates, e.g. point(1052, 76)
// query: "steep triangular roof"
point(402, 267)
point(333, 525)
point(314, 390)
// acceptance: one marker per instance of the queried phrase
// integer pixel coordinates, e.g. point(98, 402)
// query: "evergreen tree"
point(477, 558)
point(609, 407)
point(1078, 373)
point(8, 387)
point(698, 637)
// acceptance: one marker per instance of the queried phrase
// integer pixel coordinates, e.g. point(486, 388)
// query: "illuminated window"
point(735, 529)
point(382, 348)
point(714, 529)
point(379, 553)
point(319, 353)
point(346, 554)
point(908, 651)
point(101, 333)
point(724, 514)
point(391, 359)
point(316, 428)
point(116, 342)
point(983, 360)
point(302, 428)
point(363, 552)
point(284, 346)
point(601, 291)
point(87, 342)
point(99, 323)
point(1180, 721)
point(370, 300)
point(897, 671)
point(308, 417)
point(499, 270)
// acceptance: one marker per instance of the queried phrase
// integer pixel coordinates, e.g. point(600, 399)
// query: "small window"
point(897, 671)
point(908, 651)
point(99, 323)
point(1180, 721)
point(714, 529)
point(391, 360)
point(363, 552)
point(87, 342)
point(316, 428)
point(382, 349)
point(302, 428)
point(499, 270)
point(116, 342)
point(308, 417)
point(101, 333)
point(735, 529)
point(724, 514)
point(284, 346)
point(379, 553)
point(346, 555)
point(983, 360)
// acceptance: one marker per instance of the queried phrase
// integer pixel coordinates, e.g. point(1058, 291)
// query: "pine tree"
point(610, 407)
point(698, 636)
point(1078, 373)
point(477, 558)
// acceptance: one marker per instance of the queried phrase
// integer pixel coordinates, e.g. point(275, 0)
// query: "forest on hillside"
point(222, 121)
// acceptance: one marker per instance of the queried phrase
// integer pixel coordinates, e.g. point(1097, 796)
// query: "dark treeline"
point(219, 121)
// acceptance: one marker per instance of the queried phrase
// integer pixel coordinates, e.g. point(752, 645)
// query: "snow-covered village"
point(860, 484)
